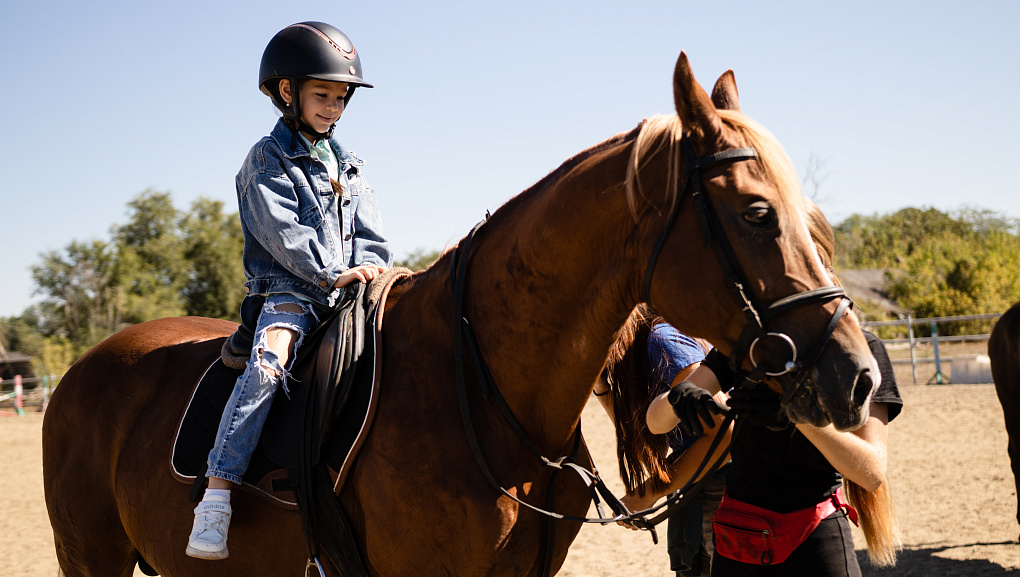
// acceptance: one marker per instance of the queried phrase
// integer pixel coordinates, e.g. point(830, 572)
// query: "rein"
point(753, 333)
point(463, 334)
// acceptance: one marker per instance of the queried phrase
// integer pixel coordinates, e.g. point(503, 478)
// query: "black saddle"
point(327, 394)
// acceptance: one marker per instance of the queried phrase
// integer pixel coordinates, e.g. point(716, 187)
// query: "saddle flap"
point(325, 419)
point(354, 424)
point(321, 378)
point(196, 434)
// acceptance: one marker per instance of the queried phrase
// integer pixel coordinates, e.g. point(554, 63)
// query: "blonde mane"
point(663, 130)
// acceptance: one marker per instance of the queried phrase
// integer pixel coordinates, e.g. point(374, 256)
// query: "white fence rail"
point(934, 340)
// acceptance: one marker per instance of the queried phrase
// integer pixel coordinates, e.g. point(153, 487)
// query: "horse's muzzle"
point(813, 406)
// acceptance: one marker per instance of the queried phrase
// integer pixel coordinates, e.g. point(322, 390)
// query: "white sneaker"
point(209, 534)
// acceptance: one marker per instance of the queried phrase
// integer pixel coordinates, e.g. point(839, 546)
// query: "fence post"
point(913, 355)
point(47, 381)
point(935, 344)
point(18, 396)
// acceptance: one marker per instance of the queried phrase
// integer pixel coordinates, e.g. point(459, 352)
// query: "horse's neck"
point(549, 285)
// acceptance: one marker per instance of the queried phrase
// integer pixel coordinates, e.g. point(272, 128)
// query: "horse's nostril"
point(862, 388)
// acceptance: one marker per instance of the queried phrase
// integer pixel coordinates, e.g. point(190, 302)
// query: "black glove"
point(694, 406)
point(760, 405)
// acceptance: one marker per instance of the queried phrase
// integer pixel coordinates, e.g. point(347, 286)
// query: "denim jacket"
point(299, 236)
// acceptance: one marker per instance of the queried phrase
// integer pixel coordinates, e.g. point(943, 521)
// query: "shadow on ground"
point(925, 562)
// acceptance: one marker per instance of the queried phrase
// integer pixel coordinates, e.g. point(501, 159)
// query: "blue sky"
point(904, 103)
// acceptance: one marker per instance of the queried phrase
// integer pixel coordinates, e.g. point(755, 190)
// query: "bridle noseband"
point(753, 333)
point(714, 236)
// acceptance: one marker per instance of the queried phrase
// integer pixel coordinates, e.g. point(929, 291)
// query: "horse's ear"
point(696, 110)
point(724, 95)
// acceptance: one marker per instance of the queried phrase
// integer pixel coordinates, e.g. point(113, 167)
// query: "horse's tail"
point(878, 521)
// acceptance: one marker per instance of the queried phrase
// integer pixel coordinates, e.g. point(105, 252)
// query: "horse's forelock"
point(665, 130)
point(772, 159)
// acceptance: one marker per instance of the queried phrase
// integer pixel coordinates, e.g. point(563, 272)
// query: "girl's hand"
point(661, 418)
point(694, 406)
point(362, 273)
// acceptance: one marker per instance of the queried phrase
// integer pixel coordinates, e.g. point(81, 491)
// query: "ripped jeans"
point(249, 403)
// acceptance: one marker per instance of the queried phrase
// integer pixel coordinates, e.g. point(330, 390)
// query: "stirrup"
point(312, 566)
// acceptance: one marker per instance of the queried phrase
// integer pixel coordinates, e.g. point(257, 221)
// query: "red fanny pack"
point(758, 536)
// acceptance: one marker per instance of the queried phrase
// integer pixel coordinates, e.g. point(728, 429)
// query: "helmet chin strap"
point(295, 115)
point(318, 135)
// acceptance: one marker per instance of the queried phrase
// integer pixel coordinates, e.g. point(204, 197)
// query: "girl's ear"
point(285, 91)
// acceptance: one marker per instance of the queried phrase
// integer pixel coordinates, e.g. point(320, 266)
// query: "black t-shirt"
point(781, 470)
point(887, 392)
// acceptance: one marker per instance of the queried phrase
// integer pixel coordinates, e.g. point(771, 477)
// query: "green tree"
point(419, 259)
point(213, 245)
point(939, 264)
point(80, 298)
point(51, 354)
point(161, 263)
point(151, 267)
point(884, 241)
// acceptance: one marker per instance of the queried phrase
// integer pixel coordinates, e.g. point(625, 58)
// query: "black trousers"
point(689, 538)
point(827, 552)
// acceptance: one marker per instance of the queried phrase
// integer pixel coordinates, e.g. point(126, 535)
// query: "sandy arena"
point(948, 468)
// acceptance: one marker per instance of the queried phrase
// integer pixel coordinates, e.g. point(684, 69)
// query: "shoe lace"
point(213, 521)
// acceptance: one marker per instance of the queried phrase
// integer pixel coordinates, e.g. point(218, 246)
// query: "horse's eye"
point(758, 214)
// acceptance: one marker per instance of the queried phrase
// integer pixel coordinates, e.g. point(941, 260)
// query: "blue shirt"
point(669, 352)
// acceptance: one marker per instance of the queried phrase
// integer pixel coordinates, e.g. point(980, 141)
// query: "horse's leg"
point(1010, 399)
point(116, 558)
point(1011, 412)
point(1004, 351)
point(571, 497)
point(1014, 455)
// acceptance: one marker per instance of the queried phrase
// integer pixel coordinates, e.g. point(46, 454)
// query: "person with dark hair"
point(659, 356)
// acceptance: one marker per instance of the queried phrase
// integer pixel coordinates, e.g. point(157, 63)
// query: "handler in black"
point(794, 471)
point(784, 511)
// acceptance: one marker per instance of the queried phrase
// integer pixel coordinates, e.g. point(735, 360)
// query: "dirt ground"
point(948, 469)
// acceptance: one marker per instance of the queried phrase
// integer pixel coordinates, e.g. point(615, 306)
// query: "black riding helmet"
point(308, 50)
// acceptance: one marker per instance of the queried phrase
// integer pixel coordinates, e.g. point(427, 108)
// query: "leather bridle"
point(754, 331)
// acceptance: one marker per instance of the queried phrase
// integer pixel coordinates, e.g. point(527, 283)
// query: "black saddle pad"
point(197, 433)
point(330, 394)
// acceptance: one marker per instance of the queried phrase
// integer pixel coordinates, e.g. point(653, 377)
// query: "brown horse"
point(553, 275)
point(1004, 352)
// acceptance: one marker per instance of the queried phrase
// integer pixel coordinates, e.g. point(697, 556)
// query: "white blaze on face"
point(816, 260)
point(876, 374)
